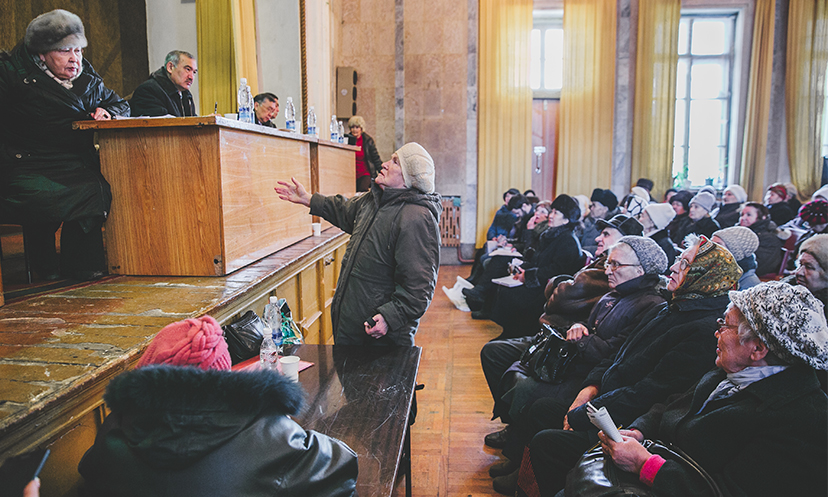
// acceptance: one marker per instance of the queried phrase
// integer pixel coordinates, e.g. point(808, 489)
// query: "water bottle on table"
point(272, 342)
point(290, 115)
point(312, 130)
point(244, 102)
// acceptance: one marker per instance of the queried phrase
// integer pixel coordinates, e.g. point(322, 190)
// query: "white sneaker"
point(456, 297)
point(463, 283)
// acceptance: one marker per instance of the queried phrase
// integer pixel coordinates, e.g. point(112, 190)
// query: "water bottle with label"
point(244, 102)
point(272, 342)
point(342, 138)
point(334, 129)
point(312, 130)
point(290, 115)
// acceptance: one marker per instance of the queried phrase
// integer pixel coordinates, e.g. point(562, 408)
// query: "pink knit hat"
point(195, 342)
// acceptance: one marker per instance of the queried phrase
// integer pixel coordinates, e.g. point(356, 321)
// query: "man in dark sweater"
point(167, 91)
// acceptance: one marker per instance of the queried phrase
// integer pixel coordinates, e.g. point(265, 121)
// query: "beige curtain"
point(226, 52)
point(655, 92)
point(587, 96)
point(505, 105)
point(805, 91)
point(758, 104)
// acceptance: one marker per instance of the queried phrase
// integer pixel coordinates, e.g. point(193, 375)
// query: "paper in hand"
point(602, 420)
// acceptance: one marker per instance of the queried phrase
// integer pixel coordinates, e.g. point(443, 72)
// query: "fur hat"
point(417, 167)
point(683, 197)
point(705, 200)
point(740, 241)
point(356, 121)
point(625, 224)
point(645, 183)
point(738, 192)
point(652, 258)
point(195, 342)
point(814, 212)
point(817, 246)
point(788, 319)
point(54, 30)
point(779, 189)
point(567, 206)
point(661, 214)
point(606, 197)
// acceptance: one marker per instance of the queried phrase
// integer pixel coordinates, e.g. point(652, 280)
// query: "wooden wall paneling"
point(251, 164)
point(171, 184)
point(336, 172)
point(310, 307)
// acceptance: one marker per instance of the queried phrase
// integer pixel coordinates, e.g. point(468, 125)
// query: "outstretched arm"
point(294, 192)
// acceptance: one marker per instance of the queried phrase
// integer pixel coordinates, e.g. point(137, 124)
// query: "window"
point(703, 100)
point(546, 66)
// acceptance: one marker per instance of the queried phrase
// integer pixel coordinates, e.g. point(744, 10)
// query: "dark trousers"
point(79, 251)
point(496, 357)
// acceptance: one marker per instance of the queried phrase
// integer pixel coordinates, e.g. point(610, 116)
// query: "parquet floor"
point(454, 410)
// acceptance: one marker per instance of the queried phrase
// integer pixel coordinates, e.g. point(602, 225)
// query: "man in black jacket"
point(167, 91)
point(265, 108)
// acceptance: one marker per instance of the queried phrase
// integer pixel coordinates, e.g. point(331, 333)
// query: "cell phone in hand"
point(371, 322)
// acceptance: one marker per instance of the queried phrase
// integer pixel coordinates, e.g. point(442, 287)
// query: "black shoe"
point(506, 485)
point(497, 440)
point(504, 468)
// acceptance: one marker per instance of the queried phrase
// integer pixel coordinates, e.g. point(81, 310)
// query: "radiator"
point(450, 222)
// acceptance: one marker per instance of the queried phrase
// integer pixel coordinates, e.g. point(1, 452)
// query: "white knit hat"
point(417, 167)
point(705, 200)
point(738, 192)
point(788, 319)
point(641, 192)
point(54, 30)
point(661, 214)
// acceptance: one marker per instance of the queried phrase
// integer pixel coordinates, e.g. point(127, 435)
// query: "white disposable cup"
point(232, 115)
point(317, 229)
point(290, 366)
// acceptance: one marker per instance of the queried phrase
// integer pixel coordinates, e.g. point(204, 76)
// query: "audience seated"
point(655, 218)
point(769, 254)
point(647, 184)
point(732, 199)
point(604, 205)
point(757, 423)
point(699, 212)
point(681, 225)
point(633, 268)
point(742, 243)
point(669, 351)
point(668, 195)
point(183, 424)
point(503, 220)
point(812, 268)
point(791, 197)
point(780, 211)
point(814, 218)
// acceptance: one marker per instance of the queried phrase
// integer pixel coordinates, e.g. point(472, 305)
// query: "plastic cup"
point(232, 115)
point(290, 366)
point(317, 229)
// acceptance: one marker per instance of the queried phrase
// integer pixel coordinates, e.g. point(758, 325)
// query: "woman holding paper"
point(757, 424)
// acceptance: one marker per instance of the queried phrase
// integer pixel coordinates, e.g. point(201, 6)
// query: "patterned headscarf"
point(712, 273)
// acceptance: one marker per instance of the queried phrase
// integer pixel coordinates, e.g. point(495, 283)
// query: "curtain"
point(655, 92)
point(587, 96)
point(758, 105)
point(807, 58)
point(505, 105)
point(226, 52)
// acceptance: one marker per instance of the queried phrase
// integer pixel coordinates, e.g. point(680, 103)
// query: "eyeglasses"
point(723, 324)
point(614, 265)
point(683, 264)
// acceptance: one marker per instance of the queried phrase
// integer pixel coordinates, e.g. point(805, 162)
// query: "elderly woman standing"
point(368, 162)
point(757, 424)
point(50, 173)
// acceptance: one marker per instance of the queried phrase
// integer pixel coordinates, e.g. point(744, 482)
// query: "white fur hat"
point(54, 30)
point(417, 167)
point(661, 214)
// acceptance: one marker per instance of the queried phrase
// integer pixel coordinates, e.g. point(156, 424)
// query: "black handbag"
point(596, 475)
point(550, 356)
point(244, 337)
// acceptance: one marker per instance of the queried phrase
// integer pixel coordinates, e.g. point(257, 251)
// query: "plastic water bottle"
point(250, 118)
point(290, 115)
point(244, 102)
point(272, 342)
point(312, 130)
point(341, 133)
point(334, 129)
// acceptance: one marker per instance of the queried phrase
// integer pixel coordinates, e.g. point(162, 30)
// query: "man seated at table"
point(265, 108)
point(167, 91)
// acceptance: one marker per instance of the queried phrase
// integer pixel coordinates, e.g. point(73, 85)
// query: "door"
point(544, 146)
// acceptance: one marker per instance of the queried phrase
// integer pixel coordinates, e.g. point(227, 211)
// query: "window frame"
point(543, 20)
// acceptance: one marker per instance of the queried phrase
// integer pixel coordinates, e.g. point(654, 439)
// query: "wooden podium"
point(194, 196)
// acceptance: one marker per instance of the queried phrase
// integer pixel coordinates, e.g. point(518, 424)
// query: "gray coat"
point(390, 266)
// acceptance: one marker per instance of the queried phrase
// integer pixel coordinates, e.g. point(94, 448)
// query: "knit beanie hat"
point(705, 200)
point(625, 224)
point(567, 206)
point(417, 167)
point(712, 273)
point(779, 189)
point(195, 342)
point(583, 203)
point(709, 189)
point(606, 197)
point(740, 241)
point(788, 319)
point(635, 205)
point(645, 183)
point(652, 258)
point(641, 192)
point(738, 192)
point(817, 246)
point(54, 30)
point(822, 193)
point(661, 214)
point(814, 212)
point(683, 197)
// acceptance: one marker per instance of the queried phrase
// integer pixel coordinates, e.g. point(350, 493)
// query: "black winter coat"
point(769, 254)
point(181, 431)
point(781, 213)
point(669, 351)
point(369, 150)
point(704, 226)
point(390, 266)
point(680, 227)
point(48, 171)
point(158, 96)
point(767, 440)
point(662, 238)
point(728, 215)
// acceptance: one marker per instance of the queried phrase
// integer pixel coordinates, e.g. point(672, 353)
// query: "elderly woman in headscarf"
point(757, 424)
point(368, 162)
point(50, 173)
point(670, 350)
point(183, 424)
